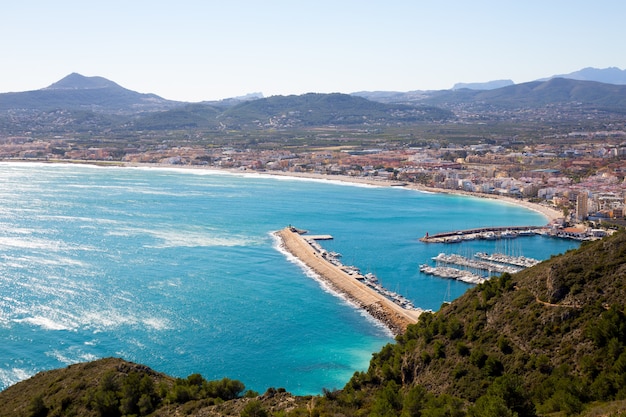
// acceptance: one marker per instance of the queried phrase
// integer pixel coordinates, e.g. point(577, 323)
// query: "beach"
point(550, 213)
point(378, 306)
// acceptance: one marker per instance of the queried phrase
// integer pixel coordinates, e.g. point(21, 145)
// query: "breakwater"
point(390, 308)
point(486, 233)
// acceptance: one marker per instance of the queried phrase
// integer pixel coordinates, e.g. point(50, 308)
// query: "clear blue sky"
point(195, 50)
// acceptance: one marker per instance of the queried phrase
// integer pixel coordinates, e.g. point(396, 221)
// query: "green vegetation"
point(112, 387)
point(550, 340)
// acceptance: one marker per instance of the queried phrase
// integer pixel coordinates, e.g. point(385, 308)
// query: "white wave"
point(106, 320)
point(330, 180)
point(170, 283)
point(156, 323)
point(192, 238)
point(62, 289)
point(13, 242)
point(14, 375)
point(28, 261)
point(17, 230)
point(72, 356)
point(100, 321)
point(45, 323)
point(89, 220)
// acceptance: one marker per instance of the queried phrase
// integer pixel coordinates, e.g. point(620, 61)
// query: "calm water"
point(177, 269)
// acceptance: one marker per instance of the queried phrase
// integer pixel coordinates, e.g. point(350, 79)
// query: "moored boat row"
point(368, 279)
point(452, 273)
point(501, 258)
point(454, 259)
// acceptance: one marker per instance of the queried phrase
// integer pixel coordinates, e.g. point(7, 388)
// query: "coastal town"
point(581, 177)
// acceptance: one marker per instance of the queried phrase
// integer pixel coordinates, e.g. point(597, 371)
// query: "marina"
point(476, 271)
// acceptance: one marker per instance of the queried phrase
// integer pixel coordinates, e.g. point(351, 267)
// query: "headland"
point(379, 306)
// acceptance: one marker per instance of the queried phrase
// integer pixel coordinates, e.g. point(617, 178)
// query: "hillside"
point(77, 92)
point(551, 339)
point(323, 109)
point(554, 335)
point(611, 75)
point(554, 92)
point(95, 106)
point(554, 98)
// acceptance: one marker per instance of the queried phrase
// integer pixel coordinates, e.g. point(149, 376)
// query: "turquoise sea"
point(178, 269)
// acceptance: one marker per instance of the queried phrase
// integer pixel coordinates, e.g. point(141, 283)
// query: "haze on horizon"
point(196, 50)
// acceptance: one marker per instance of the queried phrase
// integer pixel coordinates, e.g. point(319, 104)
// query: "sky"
point(197, 50)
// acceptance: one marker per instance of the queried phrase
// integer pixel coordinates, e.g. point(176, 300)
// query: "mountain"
point(92, 105)
point(83, 104)
point(489, 85)
point(612, 75)
point(75, 81)
point(285, 112)
point(314, 109)
point(550, 340)
point(77, 92)
point(538, 94)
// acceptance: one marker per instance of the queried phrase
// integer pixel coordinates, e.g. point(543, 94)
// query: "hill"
point(550, 339)
point(286, 112)
point(323, 109)
point(489, 85)
point(610, 75)
point(557, 92)
point(91, 104)
point(77, 92)
point(95, 106)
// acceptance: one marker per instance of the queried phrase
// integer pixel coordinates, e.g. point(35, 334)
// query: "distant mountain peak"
point(76, 81)
point(610, 75)
point(489, 85)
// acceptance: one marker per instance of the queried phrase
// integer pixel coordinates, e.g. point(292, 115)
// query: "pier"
point(364, 290)
point(486, 233)
point(452, 273)
point(520, 261)
point(483, 265)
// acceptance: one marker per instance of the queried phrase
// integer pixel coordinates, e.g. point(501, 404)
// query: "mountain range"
point(610, 75)
point(87, 104)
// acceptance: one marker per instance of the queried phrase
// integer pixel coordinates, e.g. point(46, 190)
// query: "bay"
point(178, 269)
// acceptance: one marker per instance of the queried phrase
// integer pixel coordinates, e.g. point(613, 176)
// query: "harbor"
point(391, 308)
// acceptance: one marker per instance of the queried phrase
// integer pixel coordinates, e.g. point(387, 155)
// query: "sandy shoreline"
point(550, 213)
point(378, 306)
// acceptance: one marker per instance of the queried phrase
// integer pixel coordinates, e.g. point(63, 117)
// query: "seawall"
point(377, 305)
